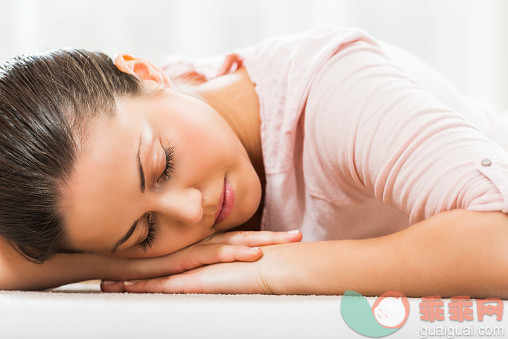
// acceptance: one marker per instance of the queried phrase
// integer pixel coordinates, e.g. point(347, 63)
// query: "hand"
point(269, 275)
point(224, 247)
point(230, 277)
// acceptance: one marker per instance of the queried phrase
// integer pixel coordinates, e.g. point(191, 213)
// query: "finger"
point(179, 283)
point(193, 257)
point(216, 253)
point(253, 238)
point(208, 279)
point(112, 286)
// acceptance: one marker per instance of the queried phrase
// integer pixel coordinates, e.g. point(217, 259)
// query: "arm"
point(457, 252)
point(382, 135)
point(16, 272)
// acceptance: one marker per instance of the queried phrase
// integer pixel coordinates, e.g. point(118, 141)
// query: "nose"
point(182, 206)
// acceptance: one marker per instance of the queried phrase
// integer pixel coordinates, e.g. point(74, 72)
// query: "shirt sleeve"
point(383, 134)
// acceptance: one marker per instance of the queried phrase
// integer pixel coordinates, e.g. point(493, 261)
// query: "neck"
point(233, 96)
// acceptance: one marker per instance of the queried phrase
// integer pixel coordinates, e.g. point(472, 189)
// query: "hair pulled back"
point(47, 100)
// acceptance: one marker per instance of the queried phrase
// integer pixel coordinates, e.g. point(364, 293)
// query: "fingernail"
point(130, 283)
point(293, 232)
point(109, 282)
point(253, 249)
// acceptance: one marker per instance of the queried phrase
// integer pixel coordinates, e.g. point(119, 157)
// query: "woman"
point(319, 131)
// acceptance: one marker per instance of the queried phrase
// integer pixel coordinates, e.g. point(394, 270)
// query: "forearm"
point(17, 272)
point(453, 253)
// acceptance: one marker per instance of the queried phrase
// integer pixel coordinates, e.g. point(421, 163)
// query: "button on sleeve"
point(495, 196)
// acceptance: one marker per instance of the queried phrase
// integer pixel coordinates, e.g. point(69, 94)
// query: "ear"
point(142, 69)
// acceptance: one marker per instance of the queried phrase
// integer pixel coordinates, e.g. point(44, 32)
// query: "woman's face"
point(104, 197)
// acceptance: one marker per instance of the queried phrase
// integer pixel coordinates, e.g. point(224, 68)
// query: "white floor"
point(82, 311)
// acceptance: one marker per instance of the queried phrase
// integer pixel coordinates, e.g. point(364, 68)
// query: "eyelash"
point(148, 242)
point(170, 154)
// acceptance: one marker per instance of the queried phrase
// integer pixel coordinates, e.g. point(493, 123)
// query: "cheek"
point(171, 238)
point(208, 143)
point(168, 239)
point(201, 131)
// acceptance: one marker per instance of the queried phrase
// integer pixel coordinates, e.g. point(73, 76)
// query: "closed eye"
point(148, 241)
point(170, 154)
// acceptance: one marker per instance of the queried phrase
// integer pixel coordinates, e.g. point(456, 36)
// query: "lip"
point(221, 201)
point(227, 202)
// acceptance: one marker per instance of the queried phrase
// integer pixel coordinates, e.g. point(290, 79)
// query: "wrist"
point(102, 266)
point(281, 268)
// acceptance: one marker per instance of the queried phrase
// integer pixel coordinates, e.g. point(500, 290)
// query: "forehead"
point(103, 182)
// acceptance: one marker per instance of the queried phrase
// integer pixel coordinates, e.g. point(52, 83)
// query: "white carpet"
point(81, 310)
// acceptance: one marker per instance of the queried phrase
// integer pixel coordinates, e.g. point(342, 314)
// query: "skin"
point(215, 133)
point(454, 253)
point(217, 127)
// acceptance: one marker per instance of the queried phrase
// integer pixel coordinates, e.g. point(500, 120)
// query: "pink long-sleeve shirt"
point(362, 139)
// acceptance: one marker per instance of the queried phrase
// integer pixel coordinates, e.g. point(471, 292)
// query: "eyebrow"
point(142, 188)
point(140, 167)
point(125, 237)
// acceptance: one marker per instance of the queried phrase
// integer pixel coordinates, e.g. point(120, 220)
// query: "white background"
point(466, 40)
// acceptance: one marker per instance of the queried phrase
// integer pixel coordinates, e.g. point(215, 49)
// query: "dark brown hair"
point(47, 100)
